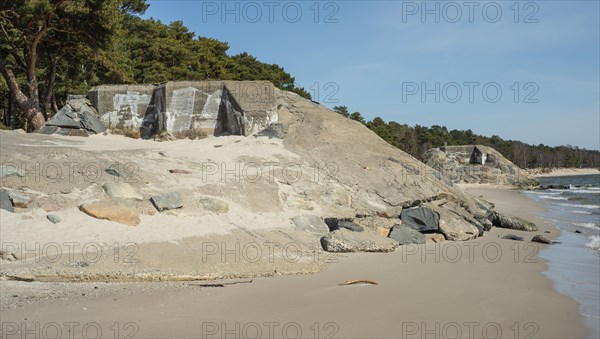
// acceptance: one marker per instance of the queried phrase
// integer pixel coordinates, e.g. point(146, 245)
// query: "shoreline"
point(421, 288)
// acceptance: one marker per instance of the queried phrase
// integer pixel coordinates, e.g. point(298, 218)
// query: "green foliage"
point(90, 42)
point(343, 110)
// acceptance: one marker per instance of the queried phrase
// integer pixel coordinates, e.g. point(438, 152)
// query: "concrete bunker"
point(211, 107)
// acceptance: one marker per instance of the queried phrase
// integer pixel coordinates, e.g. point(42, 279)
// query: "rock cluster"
point(77, 118)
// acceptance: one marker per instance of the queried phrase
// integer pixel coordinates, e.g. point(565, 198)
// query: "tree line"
point(418, 139)
point(52, 48)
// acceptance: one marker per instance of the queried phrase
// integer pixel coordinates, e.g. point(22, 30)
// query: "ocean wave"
point(586, 224)
point(584, 191)
point(551, 197)
point(594, 243)
point(581, 212)
point(581, 206)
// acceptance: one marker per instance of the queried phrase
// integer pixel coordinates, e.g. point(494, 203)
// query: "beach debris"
point(223, 284)
point(19, 200)
point(422, 219)
point(5, 202)
point(167, 201)
point(53, 218)
point(541, 239)
point(513, 223)
point(214, 205)
point(112, 212)
point(310, 223)
point(406, 235)
point(434, 238)
point(180, 171)
point(512, 237)
point(122, 190)
point(354, 282)
point(576, 231)
point(344, 241)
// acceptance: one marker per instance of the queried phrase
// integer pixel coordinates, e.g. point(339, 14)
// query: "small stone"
point(53, 218)
point(434, 238)
point(5, 202)
point(167, 201)
point(112, 212)
point(541, 239)
point(19, 200)
point(576, 231)
point(122, 190)
point(214, 205)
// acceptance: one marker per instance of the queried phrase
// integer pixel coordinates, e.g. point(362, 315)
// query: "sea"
point(574, 263)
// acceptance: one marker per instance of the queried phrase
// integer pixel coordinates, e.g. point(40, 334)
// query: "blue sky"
point(384, 58)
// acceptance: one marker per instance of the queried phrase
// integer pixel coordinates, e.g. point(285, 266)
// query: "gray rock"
point(90, 120)
point(486, 223)
point(541, 239)
point(512, 237)
point(167, 201)
point(53, 218)
point(64, 118)
point(19, 200)
point(349, 225)
point(77, 102)
point(122, 190)
point(500, 220)
point(344, 241)
point(5, 203)
point(421, 219)
point(214, 205)
point(310, 223)
point(406, 235)
point(454, 226)
point(48, 130)
point(10, 171)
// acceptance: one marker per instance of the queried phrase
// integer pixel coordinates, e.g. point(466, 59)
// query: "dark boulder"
point(421, 219)
point(406, 235)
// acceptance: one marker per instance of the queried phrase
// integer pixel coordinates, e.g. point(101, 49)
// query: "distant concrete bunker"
point(211, 107)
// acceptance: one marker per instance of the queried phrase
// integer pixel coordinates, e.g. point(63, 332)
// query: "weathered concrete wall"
point(214, 107)
point(121, 106)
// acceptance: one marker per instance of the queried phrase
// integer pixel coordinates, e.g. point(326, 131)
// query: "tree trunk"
point(29, 106)
point(50, 88)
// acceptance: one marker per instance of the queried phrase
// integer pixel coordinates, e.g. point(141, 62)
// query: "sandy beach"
point(555, 172)
point(485, 287)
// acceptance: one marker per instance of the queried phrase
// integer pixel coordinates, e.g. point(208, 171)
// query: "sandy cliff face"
point(229, 193)
point(459, 165)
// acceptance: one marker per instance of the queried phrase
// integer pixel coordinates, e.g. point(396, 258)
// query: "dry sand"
point(474, 289)
point(565, 172)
